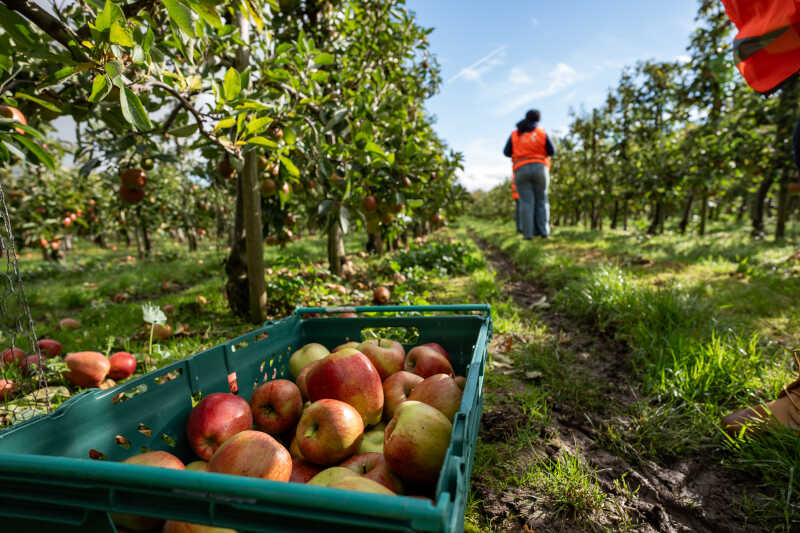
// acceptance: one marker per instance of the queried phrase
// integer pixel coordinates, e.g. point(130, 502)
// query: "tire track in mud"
point(687, 496)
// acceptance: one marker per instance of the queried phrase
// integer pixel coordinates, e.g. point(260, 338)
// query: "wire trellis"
point(23, 387)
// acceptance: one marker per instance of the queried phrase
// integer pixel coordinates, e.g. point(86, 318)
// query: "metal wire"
point(17, 331)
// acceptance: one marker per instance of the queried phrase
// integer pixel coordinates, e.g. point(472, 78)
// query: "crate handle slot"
point(485, 309)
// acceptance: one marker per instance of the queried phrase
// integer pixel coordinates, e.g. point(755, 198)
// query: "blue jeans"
point(534, 209)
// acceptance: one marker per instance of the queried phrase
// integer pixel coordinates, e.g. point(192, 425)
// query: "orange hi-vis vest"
point(529, 148)
point(767, 47)
point(514, 193)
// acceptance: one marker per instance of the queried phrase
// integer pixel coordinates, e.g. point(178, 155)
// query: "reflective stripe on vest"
point(767, 47)
point(529, 148)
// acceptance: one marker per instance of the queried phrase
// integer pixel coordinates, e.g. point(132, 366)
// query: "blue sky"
point(501, 58)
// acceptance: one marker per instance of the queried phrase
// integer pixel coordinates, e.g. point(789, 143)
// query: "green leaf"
point(100, 88)
point(257, 125)
point(283, 48)
point(289, 136)
point(147, 42)
point(184, 131)
point(228, 122)
point(320, 76)
point(181, 15)
point(120, 35)
point(374, 148)
point(254, 16)
point(36, 150)
point(114, 69)
point(110, 14)
point(415, 203)
point(262, 141)
point(208, 13)
point(133, 110)
point(43, 103)
point(232, 85)
point(289, 165)
point(324, 59)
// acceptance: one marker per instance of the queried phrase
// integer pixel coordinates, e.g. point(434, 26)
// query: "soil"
point(687, 495)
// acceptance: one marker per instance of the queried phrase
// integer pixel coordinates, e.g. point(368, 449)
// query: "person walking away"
point(515, 197)
point(530, 150)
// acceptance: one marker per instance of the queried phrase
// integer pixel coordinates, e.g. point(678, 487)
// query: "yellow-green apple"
point(385, 354)
point(69, 323)
point(330, 475)
point(159, 459)
point(396, 389)
point(218, 417)
point(348, 375)
point(307, 354)
point(12, 355)
point(199, 466)
point(86, 369)
point(351, 344)
point(171, 526)
point(426, 361)
point(303, 471)
point(276, 406)
point(439, 391)
point(303, 376)
point(329, 430)
point(123, 365)
point(373, 466)
point(461, 381)
point(416, 441)
point(438, 347)
point(362, 484)
point(253, 454)
point(49, 347)
point(373, 440)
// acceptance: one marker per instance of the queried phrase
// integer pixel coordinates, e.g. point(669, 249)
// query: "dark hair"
point(529, 122)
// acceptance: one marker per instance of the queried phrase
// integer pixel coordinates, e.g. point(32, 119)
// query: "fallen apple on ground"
point(123, 365)
point(86, 369)
point(49, 347)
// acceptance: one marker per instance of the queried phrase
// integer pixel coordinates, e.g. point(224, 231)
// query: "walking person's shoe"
point(785, 410)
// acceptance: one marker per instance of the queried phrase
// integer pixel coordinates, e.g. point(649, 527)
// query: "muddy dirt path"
point(686, 496)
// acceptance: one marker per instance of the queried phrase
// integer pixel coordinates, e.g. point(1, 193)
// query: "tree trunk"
point(687, 212)
point(132, 221)
point(145, 235)
point(656, 218)
point(335, 247)
point(742, 208)
point(191, 237)
point(701, 230)
point(615, 214)
point(757, 214)
point(237, 288)
point(783, 210)
point(625, 215)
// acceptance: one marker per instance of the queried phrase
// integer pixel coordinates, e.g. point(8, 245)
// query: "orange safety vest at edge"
point(529, 148)
point(767, 47)
point(514, 193)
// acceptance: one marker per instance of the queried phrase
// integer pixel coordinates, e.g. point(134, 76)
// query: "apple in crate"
point(331, 475)
point(253, 454)
point(123, 365)
point(351, 344)
point(439, 391)
point(199, 466)
point(415, 442)
point(396, 389)
point(303, 471)
point(307, 354)
point(361, 484)
point(86, 369)
point(438, 347)
point(348, 375)
point(302, 377)
point(218, 417)
point(372, 441)
point(387, 355)
point(170, 526)
point(276, 406)
point(159, 459)
point(329, 431)
point(426, 361)
point(374, 466)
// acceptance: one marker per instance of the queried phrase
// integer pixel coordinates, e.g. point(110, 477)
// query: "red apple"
point(381, 295)
point(12, 355)
point(396, 389)
point(33, 362)
point(373, 466)
point(438, 347)
point(49, 347)
point(168, 308)
point(305, 355)
point(303, 376)
point(253, 454)
point(348, 375)
point(217, 418)
point(123, 365)
point(329, 431)
point(276, 406)
point(162, 333)
point(425, 361)
point(69, 323)
point(416, 441)
point(171, 526)
point(86, 369)
point(331, 475)
point(361, 484)
point(387, 355)
point(303, 471)
point(158, 459)
point(8, 389)
point(461, 381)
point(440, 391)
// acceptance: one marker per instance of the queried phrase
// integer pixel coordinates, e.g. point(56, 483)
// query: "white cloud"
point(560, 78)
point(480, 67)
point(683, 58)
point(484, 164)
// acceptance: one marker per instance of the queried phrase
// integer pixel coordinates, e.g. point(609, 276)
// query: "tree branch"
point(44, 20)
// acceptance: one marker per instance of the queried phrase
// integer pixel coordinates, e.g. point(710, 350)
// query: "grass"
point(708, 321)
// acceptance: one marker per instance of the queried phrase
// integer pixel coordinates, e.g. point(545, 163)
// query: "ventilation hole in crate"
point(122, 442)
point(239, 345)
point(168, 440)
point(233, 384)
point(262, 336)
point(255, 385)
point(283, 369)
point(128, 394)
point(261, 367)
point(145, 449)
point(274, 373)
point(97, 455)
point(196, 397)
point(272, 361)
point(403, 335)
point(144, 430)
point(169, 376)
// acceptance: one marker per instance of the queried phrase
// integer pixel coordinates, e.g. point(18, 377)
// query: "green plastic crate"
point(49, 482)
